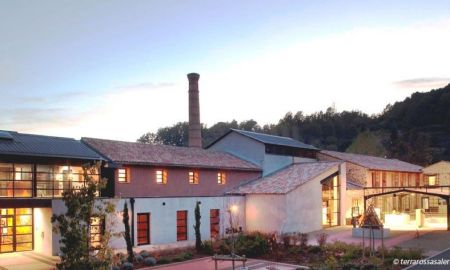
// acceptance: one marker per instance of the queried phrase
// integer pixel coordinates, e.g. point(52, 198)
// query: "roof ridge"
point(39, 135)
point(260, 133)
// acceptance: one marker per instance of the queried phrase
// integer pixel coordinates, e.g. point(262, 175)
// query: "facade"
point(306, 193)
point(34, 171)
point(405, 195)
point(162, 185)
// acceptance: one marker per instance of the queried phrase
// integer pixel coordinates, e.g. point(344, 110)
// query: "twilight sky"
point(117, 69)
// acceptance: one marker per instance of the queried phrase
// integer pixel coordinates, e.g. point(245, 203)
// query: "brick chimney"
point(195, 131)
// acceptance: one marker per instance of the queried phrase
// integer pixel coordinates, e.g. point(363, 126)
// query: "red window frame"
point(182, 232)
point(143, 228)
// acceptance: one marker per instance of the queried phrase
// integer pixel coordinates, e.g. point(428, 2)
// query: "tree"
point(127, 235)
point(74, 226)
point(198, 236)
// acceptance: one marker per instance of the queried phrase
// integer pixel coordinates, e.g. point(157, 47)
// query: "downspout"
point(132, 220)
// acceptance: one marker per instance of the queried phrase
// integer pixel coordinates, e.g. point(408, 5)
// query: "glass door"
point(16, 229)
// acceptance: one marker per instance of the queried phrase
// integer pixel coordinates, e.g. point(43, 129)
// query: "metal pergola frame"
point(405, 189)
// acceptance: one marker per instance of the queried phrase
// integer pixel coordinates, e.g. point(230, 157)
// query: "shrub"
point(253, 244)
point(139, 258)
point(286, 239)
point(163, 260)
point(322, 239)
point(149, 261)
point(144, 253)
point(331, 263)
point(187, 255)
point(208, 247)
point(314, 249)
point(127, 266)
point(303, 238)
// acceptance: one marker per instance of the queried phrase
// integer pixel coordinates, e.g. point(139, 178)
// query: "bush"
point(149, 261)
point(208, 247)
point(163, 260)
point(303, 238)
point(253, 244)
point(139, 258)
point(286, 239)
point(187, 255)
point(322, 239)
point(127, 266)
point(144, 253)
point(314, 249)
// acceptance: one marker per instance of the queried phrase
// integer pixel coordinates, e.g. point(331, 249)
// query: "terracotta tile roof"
point(375, 163)
point(287, 179)
point(165, 155)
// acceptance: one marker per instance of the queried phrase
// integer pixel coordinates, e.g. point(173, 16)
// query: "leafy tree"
point(127, 234)
point(82, 205)
point(416, 130)
point(198, 236)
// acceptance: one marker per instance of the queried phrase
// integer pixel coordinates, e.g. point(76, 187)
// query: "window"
point(214, 221)
point(432, 180)
point(182, 225)
point(193, 177)
point(123, 175)
point(97, 229)
point(53, 180)
point(161, 176)
point(143, 228)
point(375, 179)
point(221, 178)
point(395, 179)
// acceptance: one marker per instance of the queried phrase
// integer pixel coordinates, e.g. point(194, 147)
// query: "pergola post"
point(448, 213)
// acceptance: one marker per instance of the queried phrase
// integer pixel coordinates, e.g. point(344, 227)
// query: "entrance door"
point(16, 229)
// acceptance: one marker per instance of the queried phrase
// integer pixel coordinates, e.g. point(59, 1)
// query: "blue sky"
point(116, 69)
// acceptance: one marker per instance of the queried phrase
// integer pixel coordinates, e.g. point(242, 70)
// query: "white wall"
point(42, 230)
point(265, 212)
point(163, 231)
point(304, 206)
point(273, 163)
point(242, 147)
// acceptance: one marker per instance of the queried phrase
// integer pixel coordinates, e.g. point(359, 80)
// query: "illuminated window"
point(161, 176)
point(123, 176)
point(97, 229)
point(221, 178)
point(432, 180)
point(193, 177)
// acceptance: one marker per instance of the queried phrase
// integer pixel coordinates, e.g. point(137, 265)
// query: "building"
point(163, 183)
point(260, 181)
point(297, 192)
point(34, 172)
point(401, 192)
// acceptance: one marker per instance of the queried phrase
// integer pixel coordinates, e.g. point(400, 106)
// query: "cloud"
point(423, 83)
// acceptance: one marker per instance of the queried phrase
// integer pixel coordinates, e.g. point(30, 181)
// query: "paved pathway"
point(28, 260)
point(436, 262)
point(208, 264)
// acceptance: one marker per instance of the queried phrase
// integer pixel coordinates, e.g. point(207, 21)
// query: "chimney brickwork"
point(195, 131)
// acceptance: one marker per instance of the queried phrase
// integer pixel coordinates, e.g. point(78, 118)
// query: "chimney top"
point(193, 76)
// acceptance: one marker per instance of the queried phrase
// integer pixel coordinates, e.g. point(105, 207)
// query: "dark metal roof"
point(20, 144)
point(270, 139)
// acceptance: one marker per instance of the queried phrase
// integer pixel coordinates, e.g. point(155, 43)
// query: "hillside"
point(416, 129)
